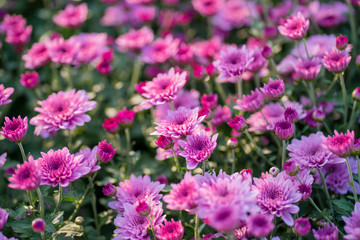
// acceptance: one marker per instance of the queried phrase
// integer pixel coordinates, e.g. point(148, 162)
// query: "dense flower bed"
point(170, 120)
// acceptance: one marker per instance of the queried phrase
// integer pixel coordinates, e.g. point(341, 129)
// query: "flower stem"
point(176, 162)
point(283, 156)
point(135, 75)
point(239, 87)
point(172, 106)
point(326, 192)
point(306, 49)
point(312, 93)
point(220, 90)
point(96, 219)
point(207, 84)
point(267, 122)
point(60, 199)
point(332, 84)
point(41, 200)
point(233, 160)
point(352, 25)
point(196, 228)
point(22, 151)
point(351, 179)
point(273, 67)
point(152, 227)
point(343, 89)
point(353, 110)
point(258, 149)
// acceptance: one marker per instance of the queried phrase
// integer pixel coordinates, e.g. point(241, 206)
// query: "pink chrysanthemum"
point(89, 159)
point(105, 152)
point(3, 159)
point(61, 51)
point(221, 115)
point(179, 123)
point(238, 123)
point(3, 219)
point(310, 153)
point(328, 232)
point(251, 102)
point(277, 196)
point(302, 226)
point(184, 195)
point(134, 226)
point(134, 40)
point(12, 22)
point(352, 224)
point(109, 189)
point(340, 144)
point(336, 61)
point(210, 101)
point(125, 117)
point(284, 129)
point(274, 88)
point(5, 93)
point(72, 16)
point(260, 225)
point(27, 176)
point(170, 230)
point(258, 61)
point(160, 50)
point(134, 190)
point(207, 7)
point(19, 36)
point(308, 69)
point(62, 110)
point(61, 167)
point(197, 148)
point(29, 79)
point(16, 129)
point(233, 62)
point(294, 27)
point(37, 56)
point(164, 87)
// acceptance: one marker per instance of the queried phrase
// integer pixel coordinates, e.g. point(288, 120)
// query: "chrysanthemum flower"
point(221, 115)
point(62, 110)
point(336, 61)
point(37, 56)
point(197, 148)
point(260, 225)
point(170, 230)
point(274, 88)
point(308, 69)
point(72, 16)
point(61, 51)
point(125, 117)
point(340, 144)
point(251, 102)
point(16, 129)
point(302, 226)
point(258, 61)
point(134, 190)
point(233, 62)
point(29, 79)
point(19, 36)
point(5, 93)
point(27, 176)
point(61, 167)
point(134, 40)
point(160, 50)
point(309, 152)
point(284, 129)
point(89, 159)
point(238, 123)
point(105, 152)
point(277, 196)
point(3, 218)
point(352, 224)
point(111, 124)
point(38, 225)
point(294, 27)
point(207, 7)
point(179, 123)
point(12, 22)
point(328, 232)
point(210, 101)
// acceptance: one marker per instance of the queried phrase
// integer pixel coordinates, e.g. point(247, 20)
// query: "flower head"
point(294, 27)
point(160, 50)
point(170, 230)
point(38, 225)
point(16, 129)
point(352, 224)
point(207, 7)
point(72, 16)
point(105, 152)
point(273, 89)
point(290, 114)
point(3, 218)
point(209, 101)
point(108, 189)
point(340, 144)
point(5, 93)
point(308, 69)
point(302, 226)
point(336, 61)
point(62, 51)
point(238, 123)
point(251, 102)
point(341, 42)
point(12, 22)
point(29, 79)
point(89, 158)
point(260, 225)
point(284, 129)
point(27, 176)
point(356, 94)
point(134, 40)
point(62, 110)
point(37, 56)
point(111, 124)
point(125, 117)
point(328, 232)
point(164, 142)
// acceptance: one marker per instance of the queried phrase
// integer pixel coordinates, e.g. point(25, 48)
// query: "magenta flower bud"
point(356, 94)
point(291, 114)
point(210, 101)
point(204, 111)
point(235, 133)
point(274, 88)
point(170, 230)
point(126, 117)
point(111, 125)
point(29, 79)
point(139, 87)
point(210, 69)
point(291, 168)
point(15, 130)
point(336, 61)
point(341, 42)
point(238, 123)
point(162, 179)
point(108, 190)
point(199, 71)
point(267, 52)
point(143, 209)
point(38, 225)
point(270, 31)
point(319, 115)
point(274, 171)
point(340, 144)
point(356, 148)
point(103, 67)
point(164, 142)
point(105, 151)
point(284, 129)
point(302, 226)
point(232, 143)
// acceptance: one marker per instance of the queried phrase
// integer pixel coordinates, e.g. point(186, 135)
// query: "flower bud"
point(108, 189)
point(356, 94)
point(79, 220)
point(164, 142)
point(267, 52)
point(232, 143)
point(356, 147)
point(238, 123)
point(143, 209)
point(105, 151)
point(38, 225)
point(291, 114)
point(341, 42)
point(318, 115)
point(274, 171)
point(291, 168)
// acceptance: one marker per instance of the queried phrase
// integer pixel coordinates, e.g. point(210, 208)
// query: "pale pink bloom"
point(328, 14)
point(184, 54)
point(258, 61)
point(29, 79)
point(260, 225)
point(170, 230)
point(89, 159)
point(3, 219)
point(141, 14)
point(308, 69)
point(27, 176)
point(207, 49)
point(18, 36)
point(160, 50)
point(251, 102)
point(115, 15)
point(37, 56)
point(72, 16)
point(336, 60)
point(62, 110)
point(274, 88)
point(294, 27)
point(221, 115)
point(340, 144)
point(207, 7)
point(134, 40)
point(5, 93)
point(280, 10)
point(61, 51)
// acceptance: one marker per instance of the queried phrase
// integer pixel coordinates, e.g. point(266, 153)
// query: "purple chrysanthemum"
point(273, 89)
point(294, 27)
point(5, 93)
point(27, 176)
point(238, 123)
point(308, 69)
point(284, 129)
point(62, 110)
point(170, 230)
point(197, 148)
point(16, 129)
point(61, 51)
point(251, 102)
point(89, 159)
point(277, 196)
point(61, 167)
point(336, 61)
point(340, 144)
point(302, 226)
point(260, 225)
point(3, 218)
point(352, 224)
point(309, 152)
point(179, 123)
point(328, 232)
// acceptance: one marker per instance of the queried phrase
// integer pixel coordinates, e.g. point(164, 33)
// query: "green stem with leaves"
point(353, 110)
point(326, 192)
point(60, 199)
point(352, 26)
point(351, 179)
point(28, 192)
point(343, 89)
point(283, 156)
point(135, 75)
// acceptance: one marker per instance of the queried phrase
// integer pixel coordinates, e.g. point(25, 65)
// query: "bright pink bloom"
point(284, 129)
point(164, 142)
point(209, 101)
point(238, 123)
point(62, 110)
point(61, 167)
point(11, 22)
point(125, 117)
point(291, 168)
point(105, 152)
point(184, 54)
point(251, 102)
point(290, 114)
point(89, 159)
point(308, 69)
point(267, 52)
point(171, 230)
point(197, 148)
point(352, 224)
point(162, 179)
point(72, 16)
point(164, 87)
point(294, 27)
point(18, 36)
point(207, 7)
point(37, 56)
point(5, 93)
point(277, 196)
point(108, 189)
point(340, 144)
point(221, 115)
point(103, 67)
point(179, 123)
point(38, 225)
point(260, 225)
point(302, 226)
point(207, 49)
point(61, 51)
point(16, 129)
point(27, 176)
point(274, 88)
point(341, 42)
point(328, 232)
point(3, 218)
point(336, 60)
point(139, 1)
point(29, 79)
point(111, 124)
point(134, 40)
point(160, 50)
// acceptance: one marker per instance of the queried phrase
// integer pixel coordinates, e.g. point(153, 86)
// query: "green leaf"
point(57, 217)
point(343, 207)
point(70, 229)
